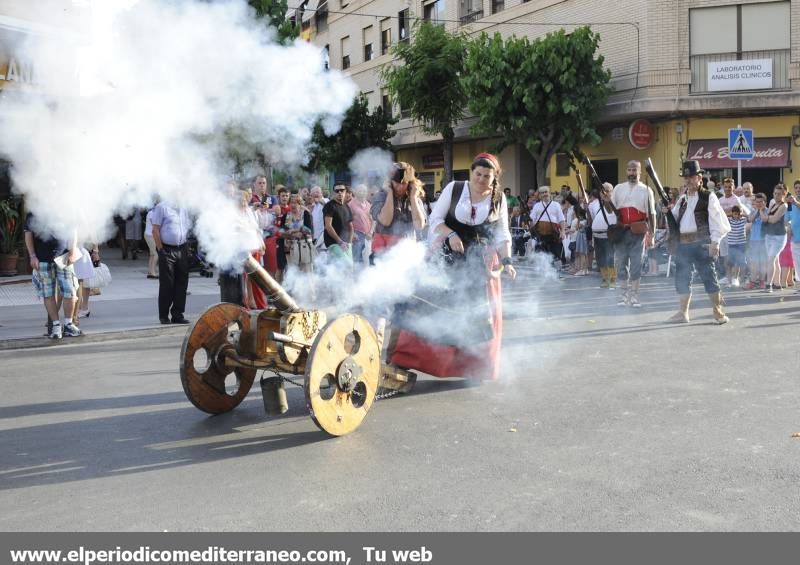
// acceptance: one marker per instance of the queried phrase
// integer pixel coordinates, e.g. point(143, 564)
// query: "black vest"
point(700, 213)
point(483, 233)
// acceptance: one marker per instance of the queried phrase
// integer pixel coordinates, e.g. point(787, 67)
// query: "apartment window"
point(498, 6)
point(345, 44)
point(326, 57)
point(744, 32)
point(386, 103)
point(386, 40)
point(470, 11)
point(402, 25)
point(368, 95)
point(367, 39)
point(321, 17)
point(343, 3)
point(562, 164)
point(433, 11)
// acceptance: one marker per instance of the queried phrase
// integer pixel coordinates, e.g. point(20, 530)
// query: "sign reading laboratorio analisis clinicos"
point(753, 74)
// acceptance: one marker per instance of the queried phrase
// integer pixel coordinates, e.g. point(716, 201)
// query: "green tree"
point(544, 94)
point(360, 130)
point(274, 14)
point(425, 80)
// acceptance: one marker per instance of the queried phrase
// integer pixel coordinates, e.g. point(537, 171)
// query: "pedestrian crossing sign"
point(740, 143)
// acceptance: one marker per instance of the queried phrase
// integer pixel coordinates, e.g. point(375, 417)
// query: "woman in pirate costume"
point(470, 222)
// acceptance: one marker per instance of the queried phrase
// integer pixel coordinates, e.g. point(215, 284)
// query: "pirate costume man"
point(547, 223)
point(703, 224)
point(636, 206)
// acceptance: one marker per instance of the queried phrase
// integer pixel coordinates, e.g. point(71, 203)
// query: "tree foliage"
point(544, 94)
point(360, 130)
point(426, 82)
point(274, 14)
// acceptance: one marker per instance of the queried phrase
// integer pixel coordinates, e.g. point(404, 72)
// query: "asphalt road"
point(606, 419)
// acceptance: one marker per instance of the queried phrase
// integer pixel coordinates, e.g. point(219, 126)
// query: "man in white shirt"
point(635, 203)
point(703, 224)
point(547, 223)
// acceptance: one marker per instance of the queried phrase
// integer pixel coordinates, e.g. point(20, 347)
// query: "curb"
point(20, 281)
point(100, 337)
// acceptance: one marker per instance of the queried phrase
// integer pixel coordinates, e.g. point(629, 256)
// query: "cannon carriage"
point(339, 359)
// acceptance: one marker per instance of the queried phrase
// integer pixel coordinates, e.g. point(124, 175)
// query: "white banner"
point(752, 74)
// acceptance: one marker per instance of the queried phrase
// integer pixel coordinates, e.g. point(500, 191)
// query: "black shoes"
point(179, 320)
point(164, 320)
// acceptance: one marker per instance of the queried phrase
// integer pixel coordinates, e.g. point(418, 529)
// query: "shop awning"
point(713, 153)
point(310, 10)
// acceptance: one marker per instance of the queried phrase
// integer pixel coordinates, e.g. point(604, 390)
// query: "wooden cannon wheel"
point(342, 373)
point(202, 375)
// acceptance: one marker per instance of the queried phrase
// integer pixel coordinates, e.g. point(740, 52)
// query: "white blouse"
point(464, 213)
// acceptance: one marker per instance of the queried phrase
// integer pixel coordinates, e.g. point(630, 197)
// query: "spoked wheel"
point(342, 374)
point(208, 384)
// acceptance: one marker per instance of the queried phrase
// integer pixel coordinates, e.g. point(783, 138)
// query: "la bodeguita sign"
point(752, 74)
point(713, 153)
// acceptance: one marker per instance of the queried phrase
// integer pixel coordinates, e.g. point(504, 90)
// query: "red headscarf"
point(488, 157)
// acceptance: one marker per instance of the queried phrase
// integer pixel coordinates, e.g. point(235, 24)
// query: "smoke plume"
point(167, 91)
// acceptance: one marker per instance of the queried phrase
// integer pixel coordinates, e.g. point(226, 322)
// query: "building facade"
point(683, 73)
point(21, 21)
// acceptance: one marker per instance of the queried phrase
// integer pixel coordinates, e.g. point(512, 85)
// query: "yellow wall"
point(463, 153)
point(667, 150)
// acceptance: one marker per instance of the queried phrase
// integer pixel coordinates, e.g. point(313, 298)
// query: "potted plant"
point(11, 236)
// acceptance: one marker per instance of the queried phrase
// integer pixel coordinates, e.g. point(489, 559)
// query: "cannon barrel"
point(276, 294)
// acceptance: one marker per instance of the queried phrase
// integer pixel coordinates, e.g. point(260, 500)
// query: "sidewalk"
point(126, 308)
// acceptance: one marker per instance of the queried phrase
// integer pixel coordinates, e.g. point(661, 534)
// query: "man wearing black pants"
point(171, 227)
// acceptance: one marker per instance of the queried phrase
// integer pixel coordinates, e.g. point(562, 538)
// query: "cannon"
point(340, 359)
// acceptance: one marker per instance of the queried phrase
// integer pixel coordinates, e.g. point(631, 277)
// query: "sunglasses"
point(340, 190)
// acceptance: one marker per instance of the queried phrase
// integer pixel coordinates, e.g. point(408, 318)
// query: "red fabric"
point(480, 361)
point(630, 215)
point(382, 241)
point(258, 295)
point(271, 254)
point(785, 258)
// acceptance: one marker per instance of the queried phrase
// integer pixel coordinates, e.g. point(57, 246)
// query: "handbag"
point(305, 251)
point(101, 277)
point(639, 228)
point(616, 230)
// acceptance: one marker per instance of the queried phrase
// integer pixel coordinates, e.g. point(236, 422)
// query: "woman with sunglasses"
point(398, 210)
point(469, 223)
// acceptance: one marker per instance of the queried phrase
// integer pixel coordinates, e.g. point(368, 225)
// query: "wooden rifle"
point(592, 171)
point(672, 223)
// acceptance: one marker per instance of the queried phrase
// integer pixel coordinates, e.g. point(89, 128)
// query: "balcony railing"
point(470, 17)
point(780, 67)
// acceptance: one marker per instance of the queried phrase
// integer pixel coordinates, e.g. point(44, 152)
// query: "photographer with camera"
point(398, 209)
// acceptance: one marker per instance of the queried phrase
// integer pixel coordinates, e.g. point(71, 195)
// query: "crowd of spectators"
point(760, 252)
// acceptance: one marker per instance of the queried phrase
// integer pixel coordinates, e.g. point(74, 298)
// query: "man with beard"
point(703, 224)
point(636, 206)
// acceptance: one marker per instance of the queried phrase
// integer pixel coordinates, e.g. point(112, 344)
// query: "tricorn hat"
point(691, 168)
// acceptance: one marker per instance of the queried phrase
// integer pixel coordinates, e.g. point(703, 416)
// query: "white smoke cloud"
point(370, 166)
point(159, 83)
